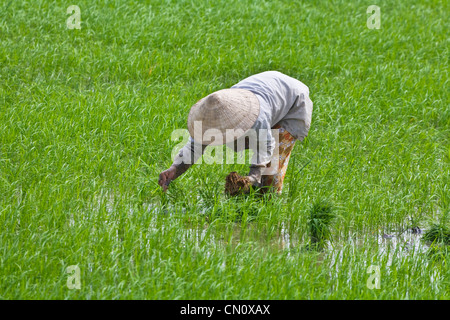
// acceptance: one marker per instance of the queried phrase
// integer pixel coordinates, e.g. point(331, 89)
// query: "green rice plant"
point(438, 233)
point(321, 216)
point(210, 194)
point(239, 208)
point(438, 252)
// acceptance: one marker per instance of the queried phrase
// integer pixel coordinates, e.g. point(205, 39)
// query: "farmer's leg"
point(286, 144)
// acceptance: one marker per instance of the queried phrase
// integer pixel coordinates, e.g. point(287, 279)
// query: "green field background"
point(86, 118)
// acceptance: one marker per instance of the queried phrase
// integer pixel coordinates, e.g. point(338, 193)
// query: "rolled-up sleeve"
point(190, 153)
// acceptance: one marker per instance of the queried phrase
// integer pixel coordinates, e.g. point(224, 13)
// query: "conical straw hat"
point(235, 109)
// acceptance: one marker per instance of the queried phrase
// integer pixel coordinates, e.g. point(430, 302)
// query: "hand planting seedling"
point(249, 115)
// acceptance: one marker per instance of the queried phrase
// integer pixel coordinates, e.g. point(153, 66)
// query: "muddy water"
point(281, 238)
point(405, 242)
point(383, 246)
point(354, 249)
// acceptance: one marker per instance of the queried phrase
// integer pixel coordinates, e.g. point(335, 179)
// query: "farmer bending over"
point(268, 100)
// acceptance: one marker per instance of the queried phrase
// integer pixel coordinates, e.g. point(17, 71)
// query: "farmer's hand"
point(166, 177)
point(255, 175)
point(254, 181)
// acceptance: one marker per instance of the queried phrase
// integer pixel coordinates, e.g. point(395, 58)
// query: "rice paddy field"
point(86, 119)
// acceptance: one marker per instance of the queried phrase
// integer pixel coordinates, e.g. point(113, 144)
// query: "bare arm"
point(187, 156)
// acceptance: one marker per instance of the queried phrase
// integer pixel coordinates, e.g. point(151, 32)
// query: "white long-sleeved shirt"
point(283, 100)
